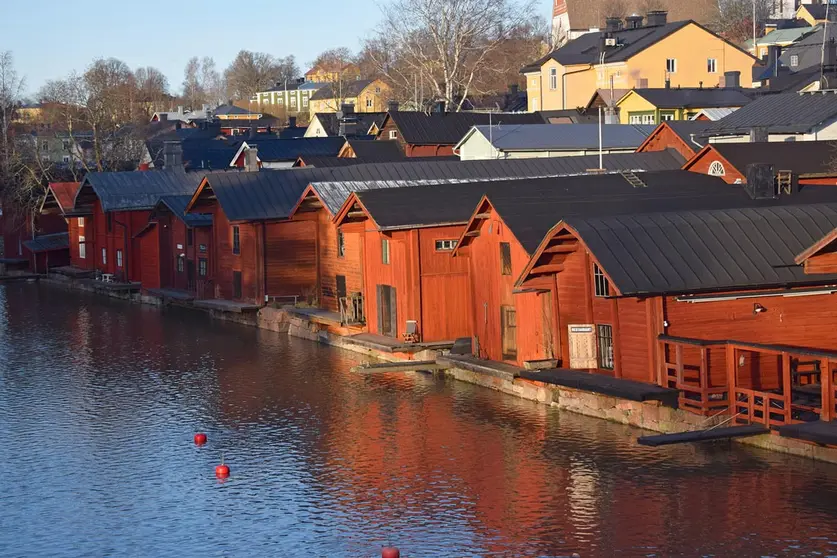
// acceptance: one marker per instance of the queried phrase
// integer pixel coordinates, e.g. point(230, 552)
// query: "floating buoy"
point(200, 438)
point(390, 552)
point(222, 471)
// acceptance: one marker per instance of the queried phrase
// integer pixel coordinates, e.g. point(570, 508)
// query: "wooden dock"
point(706, 435)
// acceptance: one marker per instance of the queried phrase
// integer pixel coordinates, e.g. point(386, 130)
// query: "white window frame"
point(119, 258)
point(446, 245)
point(304, 102)
point(794, 60)
point(80, 222)
point(82, 247)
point(293, 101)
point(386, 254)
point(716, 168)
point(712, 65)
point(635, 119)
point(393, 134)
point(104, 256)
point(648, 119)
point(553, 79)
point(671, 65)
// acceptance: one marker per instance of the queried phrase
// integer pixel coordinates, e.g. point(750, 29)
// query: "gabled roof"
point(781, 113)
point(272, 194)
point(447, 128)
point(817, 11)
point(362, 121)
point(713, 114)
point(350, 88)
point(48, 242)
point(585, 49)
point(802, 158)
point(704, 251)
point(292, 132)
point(564, 137)
point(60, 196)
point(135, 190)
point(690, 131)
point(325, 162)
point(808, 49)
point(277, 150)
point(379, 151)
point(693, 97)
point(232, 110)
point(177, 205)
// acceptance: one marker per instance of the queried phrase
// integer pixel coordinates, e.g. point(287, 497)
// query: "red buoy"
point(200, 438)
point(222, 471)
point(390, 552)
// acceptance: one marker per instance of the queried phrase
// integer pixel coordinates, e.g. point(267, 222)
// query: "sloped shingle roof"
point(565, 136)
point(136, 190)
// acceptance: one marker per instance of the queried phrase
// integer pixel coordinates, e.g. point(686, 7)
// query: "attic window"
point(505, 259)
point(717, 169)
point(445, 245)
point(671, 65)
point(393, 134)
point(602, 285)
point(794, 60)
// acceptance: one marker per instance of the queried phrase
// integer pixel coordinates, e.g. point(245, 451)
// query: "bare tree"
point(250, 73)
point(11, 88)
point(446, 43)
point(193, 90)
point(152, 89)
point(211, 83)
point(336, 67)
point(734, 18)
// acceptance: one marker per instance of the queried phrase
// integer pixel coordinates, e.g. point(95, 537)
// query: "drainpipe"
point(564, 84)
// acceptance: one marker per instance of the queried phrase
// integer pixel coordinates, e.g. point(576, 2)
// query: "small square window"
point(385, 255)
point(393, 134)
point(602, 285)
point(446, 245)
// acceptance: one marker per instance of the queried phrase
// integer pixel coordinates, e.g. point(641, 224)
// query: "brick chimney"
point(251, 158)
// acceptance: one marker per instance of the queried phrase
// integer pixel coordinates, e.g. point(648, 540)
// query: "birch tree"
point(445, 44)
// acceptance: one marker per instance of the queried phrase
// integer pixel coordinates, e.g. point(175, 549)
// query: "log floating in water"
point(408, 366)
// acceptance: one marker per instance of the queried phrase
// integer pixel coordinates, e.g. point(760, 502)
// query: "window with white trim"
point(82, 248)
point(671, 65)
point(717, 169)
point(393, 134)
point(601, 284)
point(635, 119)
point(712, 65)
point(648, 119)
point(446, 245)
point(119, 258)
point(385, 256)
point(604, 333)
point(794, 60)
point(553, 78)
point(80, 222)
point(104, 256)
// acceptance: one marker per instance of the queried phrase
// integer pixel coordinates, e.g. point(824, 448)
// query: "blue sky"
point(52, 37)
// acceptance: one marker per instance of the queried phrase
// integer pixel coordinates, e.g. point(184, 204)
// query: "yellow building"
point(366, 95)
point(652, 106)
point(815, 13)
point(327, 73)
point(683, 53)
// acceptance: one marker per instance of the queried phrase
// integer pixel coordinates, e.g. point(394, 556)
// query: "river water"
point(99, 401)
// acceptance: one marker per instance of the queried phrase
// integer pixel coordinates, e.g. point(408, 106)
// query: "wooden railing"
point(769, 384)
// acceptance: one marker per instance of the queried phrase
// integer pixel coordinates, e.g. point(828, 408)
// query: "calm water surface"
point(99, 401)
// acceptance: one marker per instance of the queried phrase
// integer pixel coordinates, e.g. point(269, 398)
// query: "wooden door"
point(582, 345)
point(508, 332)
point(387, 313)
point(236, 285)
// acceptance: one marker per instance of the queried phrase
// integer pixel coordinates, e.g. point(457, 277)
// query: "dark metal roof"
point(381, 151)
point(361, 121)
point(531, 207)
point(324, 162)
point(136, 190)
point(712, 250)
point(350, 88)
point(781, 113)
point(804, 157)
point(48, 242)
point(690, 131)
point(291, 132)
point(275, 149)
point(447, 128)
point(564, 137)
point(585, 49)
point(208, 154)
point(273, 194)
point(231, 110)
point(177, 205)
point(694, 97)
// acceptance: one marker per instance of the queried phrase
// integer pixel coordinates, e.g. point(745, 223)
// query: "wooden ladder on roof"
point(784, 182)
point(633, 179)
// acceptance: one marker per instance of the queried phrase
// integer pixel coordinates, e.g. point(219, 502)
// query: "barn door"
point(387, 311)
point(508, 331)
point(582, 340)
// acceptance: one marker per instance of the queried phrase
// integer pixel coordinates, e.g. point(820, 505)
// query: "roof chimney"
point(732, 79)
point(760, 181)
point(251, 158)
point(633, 21)
point(292, 122)
point(613, 24)
point(172, 155)
point(657, 18)
point(758, 134)
point(392, 106)
point(163, 116)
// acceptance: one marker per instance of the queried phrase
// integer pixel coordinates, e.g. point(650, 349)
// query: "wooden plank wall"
point(491, 290)
point(350, 265)
point(291, 258)
point(248, 262)
point(150, 274)
point(445, 288)
point(401, 273)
